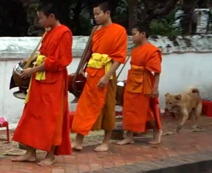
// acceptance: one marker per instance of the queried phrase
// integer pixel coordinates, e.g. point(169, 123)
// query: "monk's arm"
point(29, 71)
point(105, 79)
point(38, 68)
point(156, 85)
point(113, 69)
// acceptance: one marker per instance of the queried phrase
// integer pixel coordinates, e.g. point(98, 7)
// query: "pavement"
point(184, 148)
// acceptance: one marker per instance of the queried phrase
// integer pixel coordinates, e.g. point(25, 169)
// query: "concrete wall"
point(180, 71)
point(11, 107)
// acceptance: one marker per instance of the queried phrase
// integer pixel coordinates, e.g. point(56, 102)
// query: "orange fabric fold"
point(110, 40)
point(138, 106)
point(154, 107)
point(45, 121)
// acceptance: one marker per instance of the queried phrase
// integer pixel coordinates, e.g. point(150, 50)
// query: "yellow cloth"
point(40, 75)
point(98, 61)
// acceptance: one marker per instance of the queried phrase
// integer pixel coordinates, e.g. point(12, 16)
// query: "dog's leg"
point(197, 114)
point(185, 116)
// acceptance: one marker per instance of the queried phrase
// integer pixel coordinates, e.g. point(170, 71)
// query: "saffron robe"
point(139, 107)
point(45, 121)
point(107, 119)
point(110, 40)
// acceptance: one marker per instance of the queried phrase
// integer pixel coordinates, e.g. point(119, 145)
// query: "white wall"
point(180, 71)
point(184, 71)
point(11, 107)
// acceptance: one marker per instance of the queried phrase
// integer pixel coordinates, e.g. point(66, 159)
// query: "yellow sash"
point(99, 61)
point(40, 75)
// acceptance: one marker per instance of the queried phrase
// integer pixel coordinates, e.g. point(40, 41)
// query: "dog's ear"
point(178, 97)
point(167, 94)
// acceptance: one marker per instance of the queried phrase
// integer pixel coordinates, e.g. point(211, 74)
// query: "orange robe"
point(110, 40)
point(44, 122)
point(138, 106)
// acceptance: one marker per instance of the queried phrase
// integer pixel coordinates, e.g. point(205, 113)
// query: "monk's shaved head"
point(49, 8)
point(104, 6)
point(102, 13)
point(142, 29)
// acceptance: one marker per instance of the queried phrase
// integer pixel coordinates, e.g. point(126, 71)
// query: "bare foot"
point(47, 162)
point(28, 157)
point(126, 141)
point(77, 147)
point(154, 142)
point(157, 138)
point(102, 148)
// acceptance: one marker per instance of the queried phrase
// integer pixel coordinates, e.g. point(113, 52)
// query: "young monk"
point(96, 105)
point(44, 122)
point(141, 92)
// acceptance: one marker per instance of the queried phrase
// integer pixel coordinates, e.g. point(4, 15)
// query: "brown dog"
point(186, 105)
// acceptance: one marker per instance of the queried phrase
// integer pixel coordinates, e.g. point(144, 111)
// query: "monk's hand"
point(26, 73)
point(103, 81)
point(24, 61)
point(82, 72)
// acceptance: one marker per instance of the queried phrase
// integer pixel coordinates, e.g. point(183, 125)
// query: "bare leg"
point(29, 156)
point(77, 146)
point(127, 140)
point(157, 135)
point(105, 143)
point(50, 158)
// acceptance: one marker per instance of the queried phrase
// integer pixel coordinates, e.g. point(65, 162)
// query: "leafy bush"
point(165, 26)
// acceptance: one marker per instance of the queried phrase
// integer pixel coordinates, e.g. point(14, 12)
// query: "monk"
point(96, 105)
point(141, 92)
point(44, 122)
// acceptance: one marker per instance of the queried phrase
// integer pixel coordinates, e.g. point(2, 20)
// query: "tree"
point(154, 9)
point(132, 13)
point(188, 8)
point(77, 14)
point(13, 18)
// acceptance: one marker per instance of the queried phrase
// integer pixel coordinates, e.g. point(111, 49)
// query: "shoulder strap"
point(87, 51)
point(123, 66)
point(33, 54)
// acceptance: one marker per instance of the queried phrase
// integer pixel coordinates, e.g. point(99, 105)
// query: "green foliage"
point(122, 7)
point(86, 26)
point(13, 20)
point(165, 26)
point(162, 27)
point(34, 28)
point(121, 13)
point(18, 17)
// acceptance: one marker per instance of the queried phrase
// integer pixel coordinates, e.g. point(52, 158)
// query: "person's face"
point(45, 21)
point(137, 36)
point(100, 16)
